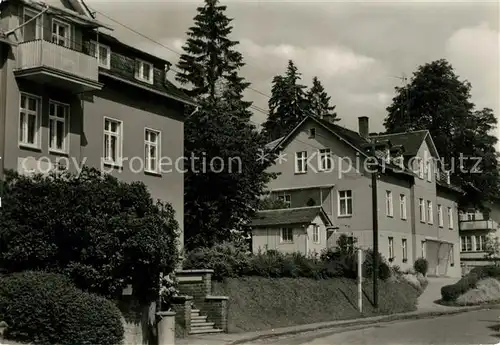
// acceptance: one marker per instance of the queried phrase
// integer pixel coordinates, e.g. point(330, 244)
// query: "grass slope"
point(257, 303)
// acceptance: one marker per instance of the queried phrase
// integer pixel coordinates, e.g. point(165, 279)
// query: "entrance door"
point(432, 250)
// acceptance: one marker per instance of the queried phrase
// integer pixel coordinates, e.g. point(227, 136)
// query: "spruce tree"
point(288, 104)
point(437, 100)
point(221, 194)
point(319, 101)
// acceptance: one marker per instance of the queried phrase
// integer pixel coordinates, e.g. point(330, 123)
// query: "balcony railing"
point(40, 53)
point(478, 225)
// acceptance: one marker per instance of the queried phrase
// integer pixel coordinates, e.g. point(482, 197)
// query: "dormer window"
point(312, 133)
point(144, 71)
point(102, 53)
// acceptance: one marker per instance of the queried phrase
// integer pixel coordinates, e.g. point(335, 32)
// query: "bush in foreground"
point(46, 308)
point(450, 293)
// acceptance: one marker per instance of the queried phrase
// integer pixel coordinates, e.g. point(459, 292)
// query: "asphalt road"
point(476, 327)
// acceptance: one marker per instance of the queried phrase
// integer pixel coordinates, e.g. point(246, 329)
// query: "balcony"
point(48, 63)
point(478, 225)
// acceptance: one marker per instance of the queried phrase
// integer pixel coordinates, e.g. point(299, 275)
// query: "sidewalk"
point(244, 338)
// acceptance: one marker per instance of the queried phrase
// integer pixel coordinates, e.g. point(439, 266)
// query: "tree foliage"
point(222, 196)
point(272, 204)
point(102, 233)
point(319, 101)
point(288, 104)
point(438, 101)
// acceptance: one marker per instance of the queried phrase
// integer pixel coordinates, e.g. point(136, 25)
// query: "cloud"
point(474, 53)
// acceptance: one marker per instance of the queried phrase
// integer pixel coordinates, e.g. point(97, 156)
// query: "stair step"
point(204, 331)
point(195, 311)
point(202, 325)
point(198, 317)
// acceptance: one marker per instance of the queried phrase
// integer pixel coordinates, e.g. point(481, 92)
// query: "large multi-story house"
point(323, 164)
point(71, 95)
point(476, 228)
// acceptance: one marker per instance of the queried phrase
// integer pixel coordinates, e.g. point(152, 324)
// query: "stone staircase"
point(200, 324)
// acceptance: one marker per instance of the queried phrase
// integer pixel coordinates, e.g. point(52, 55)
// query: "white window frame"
point(283, 233)
point(139, 71)
point(22, 128)
point(465, 243)
point(315, 234)
point(53, 120)
point(440, 216)
point(391, 247)
point(404, 249)
point(286, 198)
point(448, 177)
point(420, 167)
point(325, 159)
point(97, 49)
point(344, 198)
point(147, 145)
point(429, 170)
point(421, 206)
point(450, 218)
point(471, 216)
point(389, 207)
point(480, 242)
point(301, 157)
point(67, 40)
point(430, 213)
point(422, 248)
point(119, 146)
point(39, 27)
point(402, 206)
point(452, 255)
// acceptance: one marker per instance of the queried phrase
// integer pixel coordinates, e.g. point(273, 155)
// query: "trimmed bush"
point(46, 308)
point(421, 266)
point(450, 293)
point(384, 270)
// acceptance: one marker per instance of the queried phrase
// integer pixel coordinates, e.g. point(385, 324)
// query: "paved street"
point(478, 327)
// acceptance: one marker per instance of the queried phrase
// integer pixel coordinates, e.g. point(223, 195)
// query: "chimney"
point(363, 127)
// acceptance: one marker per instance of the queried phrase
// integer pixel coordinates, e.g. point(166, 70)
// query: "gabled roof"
point(289, 216)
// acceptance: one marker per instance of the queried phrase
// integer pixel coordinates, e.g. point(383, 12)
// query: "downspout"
point(4, 50)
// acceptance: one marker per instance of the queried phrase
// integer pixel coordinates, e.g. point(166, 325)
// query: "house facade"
point(330, 166)
point(72, 96)
point(475, 228)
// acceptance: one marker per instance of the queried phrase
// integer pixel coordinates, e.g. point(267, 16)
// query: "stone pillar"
point(182, 308)
point(166, 327)
point(217, 311)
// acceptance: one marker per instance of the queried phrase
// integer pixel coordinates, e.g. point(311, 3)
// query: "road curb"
point(361, 322)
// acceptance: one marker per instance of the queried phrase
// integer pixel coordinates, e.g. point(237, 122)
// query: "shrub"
point(46, 308)
point(452, 292)
point(384, 271)
point(101, 232)
point(421, 266)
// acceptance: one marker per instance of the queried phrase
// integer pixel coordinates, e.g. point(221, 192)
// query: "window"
point(152, 149)
point(452, 255)
point(286, 235)
point(144, 71)
point(58, 126)
point(312, 133)
point(421, 207)
point(450, 217)
point(391, 248)
point(102, 53)
point(448, 181)
point(466, 243)
point(300, 162)
point(33, 29)
point(480, 243)
point(316, 233)
point(404, 246)
point(471, 216)
point(429, 170)
point(325, 160)
point(286, 198)
point(61, 33)
point(112, 141)
point(402, 206)
point(420, 167)
point(345, 203)
point(389, 211)
point(29, 120)
point(422, 247)
point(440, 216)
point(430, 215)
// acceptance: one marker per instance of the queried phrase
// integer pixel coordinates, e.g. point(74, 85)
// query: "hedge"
point(229, 261)
point(46, 308)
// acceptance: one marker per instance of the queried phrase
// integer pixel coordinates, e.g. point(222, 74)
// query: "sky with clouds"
point(356, 48)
